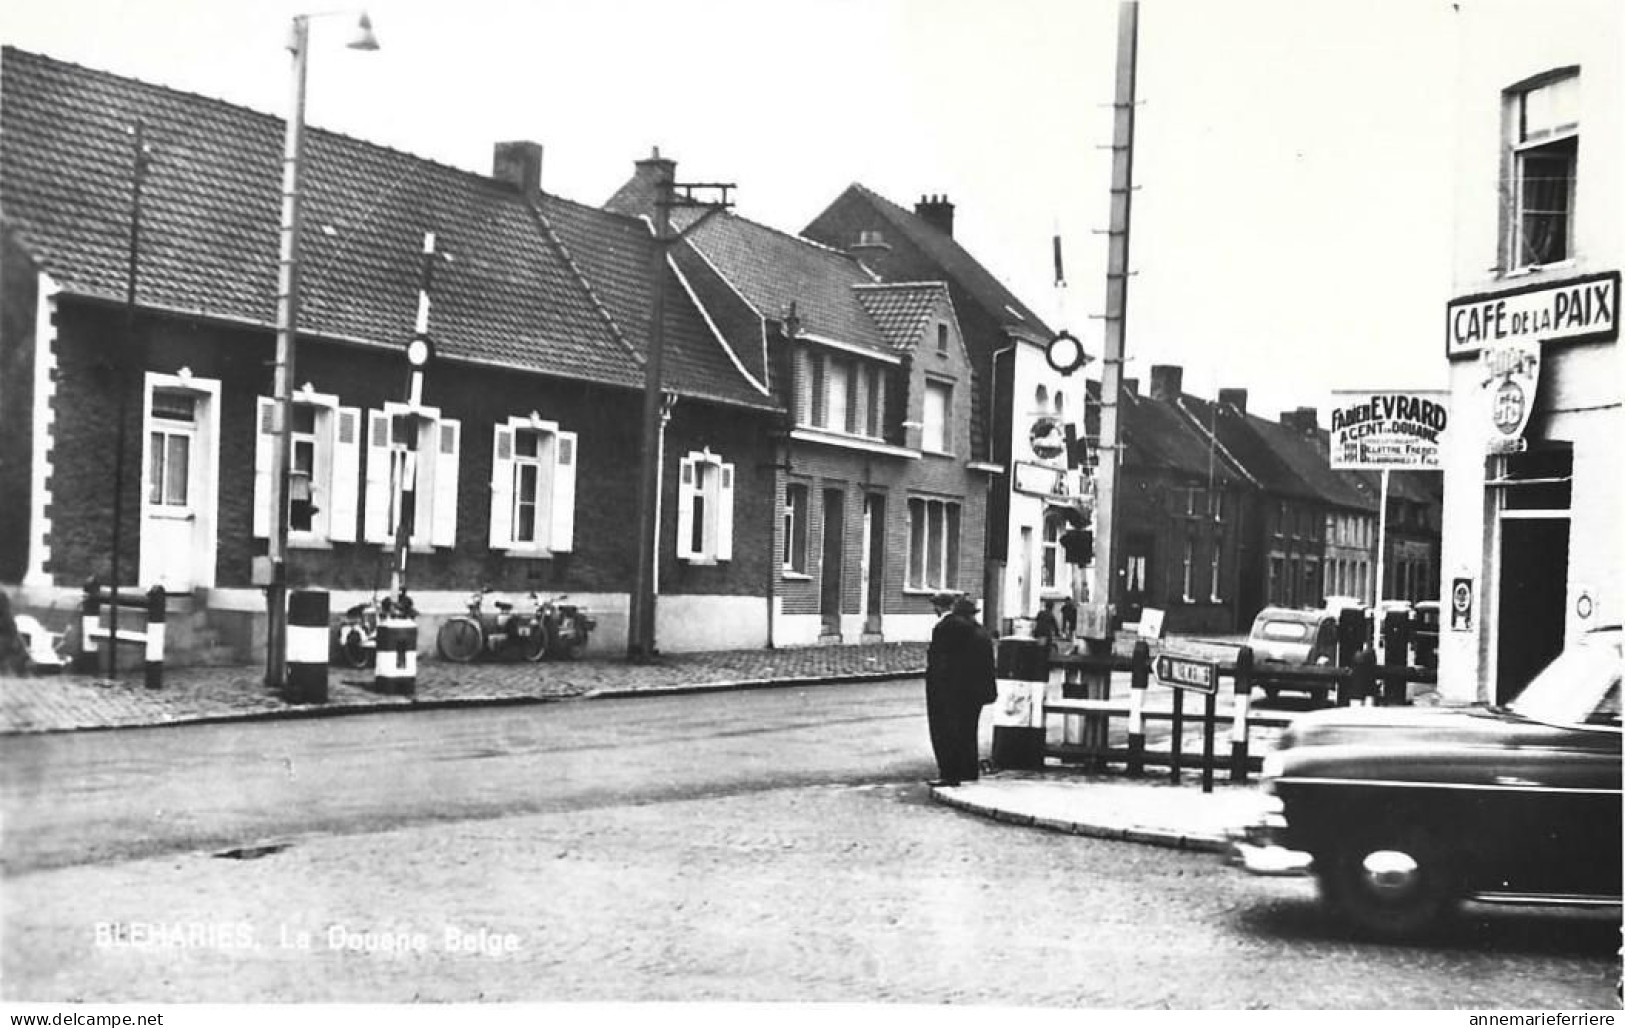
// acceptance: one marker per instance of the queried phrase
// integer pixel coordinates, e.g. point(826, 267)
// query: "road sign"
point(1186, 673)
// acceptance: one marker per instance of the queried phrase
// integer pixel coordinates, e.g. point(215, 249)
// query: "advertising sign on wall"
point(1578, 309)
point(1511, 373)
point(1375, 429)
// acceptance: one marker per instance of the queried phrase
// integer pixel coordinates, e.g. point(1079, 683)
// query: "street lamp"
point(287, 318)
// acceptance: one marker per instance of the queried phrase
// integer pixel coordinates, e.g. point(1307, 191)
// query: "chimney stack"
point(519, 164)
point(937, 212)
point(1236, 398)
point(638, 194)
point(1304, 420)
point(1167, 381)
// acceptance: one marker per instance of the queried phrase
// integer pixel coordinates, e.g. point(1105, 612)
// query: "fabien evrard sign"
point(1377, 429)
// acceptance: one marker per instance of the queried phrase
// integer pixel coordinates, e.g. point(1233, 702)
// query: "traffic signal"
point(1079, 546)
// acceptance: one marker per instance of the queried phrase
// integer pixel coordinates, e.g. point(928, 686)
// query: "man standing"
point(959, 682)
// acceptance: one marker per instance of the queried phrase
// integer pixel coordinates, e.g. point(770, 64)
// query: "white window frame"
point(935, 417)
point(336, 478)
point(1525, 143)
point(1215, 596)
point(557, 461)
point(793, 557)
point(1190, 570)
point(934, 527)
point(435, 463)
point(1050, 557)
point(706, 481)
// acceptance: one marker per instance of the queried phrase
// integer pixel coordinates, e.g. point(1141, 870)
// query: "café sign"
point(1373, 430)
point(1510, 374)
point(1585, 308)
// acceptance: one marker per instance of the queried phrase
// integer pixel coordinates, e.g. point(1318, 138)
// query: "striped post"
point(1139, 680)
point(1243, 682)
point(90, 622)
point(156, 610)
point(396, 669)
point(307, 646)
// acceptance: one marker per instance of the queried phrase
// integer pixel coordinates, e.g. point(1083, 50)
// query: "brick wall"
point(603, 557)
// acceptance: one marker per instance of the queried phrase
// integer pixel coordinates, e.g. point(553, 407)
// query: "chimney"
point(637, 195)
point(1236, 398)
point(937, 212)
point(519, 164)
point(1166, 381)
point(1304, 420)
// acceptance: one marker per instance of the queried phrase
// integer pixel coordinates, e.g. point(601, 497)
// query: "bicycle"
point(464, 637)
point(355, 638)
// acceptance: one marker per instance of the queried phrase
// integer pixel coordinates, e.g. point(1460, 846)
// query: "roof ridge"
point(558, 244)
point(923, 284)
point(802, 240)
point(219, 102)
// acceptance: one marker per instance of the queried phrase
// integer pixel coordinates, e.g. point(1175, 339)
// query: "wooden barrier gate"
point(1088, 708)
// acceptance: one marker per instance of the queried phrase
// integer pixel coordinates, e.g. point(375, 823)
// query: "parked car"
point(1403, 812)
point(1285, 637)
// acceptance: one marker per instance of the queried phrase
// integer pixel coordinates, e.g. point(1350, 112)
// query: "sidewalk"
point(1147, 810)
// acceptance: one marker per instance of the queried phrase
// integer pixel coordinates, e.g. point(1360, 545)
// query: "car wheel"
point(1390, 884)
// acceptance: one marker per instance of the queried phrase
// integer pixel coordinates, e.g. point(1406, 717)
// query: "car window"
point(1574, 687)
point(1293, 631)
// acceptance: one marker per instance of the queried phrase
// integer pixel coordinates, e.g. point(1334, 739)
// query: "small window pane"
point(175, 474)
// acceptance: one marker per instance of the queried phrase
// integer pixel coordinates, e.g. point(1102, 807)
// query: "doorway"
point(873, 571)
point(1534, 563)
point(178, 487)
point(829, 572)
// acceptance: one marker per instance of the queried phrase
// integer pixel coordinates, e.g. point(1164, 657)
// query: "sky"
point(1290, 222)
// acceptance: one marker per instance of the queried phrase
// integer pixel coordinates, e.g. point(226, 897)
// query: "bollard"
point(396, 668)
point(1351, 635)
point(1361, 681)
point(1018, 716)
point(90, 622)
point(157, 603)
point(1396, 647)
point(307, 646)
point(1139, 681)
point(1243, 683)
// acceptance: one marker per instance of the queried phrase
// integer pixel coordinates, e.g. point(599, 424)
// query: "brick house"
point(539, 317)
point(880, 497)
point(1022, 406)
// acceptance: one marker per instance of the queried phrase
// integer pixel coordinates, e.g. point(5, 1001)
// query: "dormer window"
point(844, 394)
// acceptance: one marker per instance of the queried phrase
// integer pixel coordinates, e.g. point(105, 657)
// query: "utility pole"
point(1108, 589)
point(641, 629)
point(129, 356)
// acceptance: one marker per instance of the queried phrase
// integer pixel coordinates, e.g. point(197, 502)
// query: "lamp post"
point(287, 319)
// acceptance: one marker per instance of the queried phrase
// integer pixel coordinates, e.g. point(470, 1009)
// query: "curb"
point(1165, 838)
point(311, 712)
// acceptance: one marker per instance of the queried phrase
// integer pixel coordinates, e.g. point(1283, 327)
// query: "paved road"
point(773, 846)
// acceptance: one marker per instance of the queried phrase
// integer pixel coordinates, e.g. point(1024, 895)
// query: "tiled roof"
point(1158, 435)
point(505, 291)
point(902, 310)
point(1308, 458)
point(773, 269)
point(955, 262)
point(613, 252)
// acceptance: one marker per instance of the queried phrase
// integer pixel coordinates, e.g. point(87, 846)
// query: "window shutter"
point(346, 486)
point(264, 436)
point(685, 509)
point(447, 436)
point(502, 488)
point(725, 514)
point(375, 526)
point(562, 534)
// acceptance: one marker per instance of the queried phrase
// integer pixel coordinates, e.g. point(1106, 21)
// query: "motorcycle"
point(464, 637)
point(568, 627)
point(355, 637)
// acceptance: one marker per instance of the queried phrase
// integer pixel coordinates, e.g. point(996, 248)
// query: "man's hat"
point(965, 606)
point(943, 599)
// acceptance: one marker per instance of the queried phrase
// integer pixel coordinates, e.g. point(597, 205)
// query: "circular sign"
point(1048, 438)
point(1065, 354)
point(1461, 597)
point(418, 352)
point(1585, 606)
point(1508, 411)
